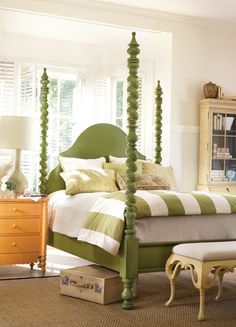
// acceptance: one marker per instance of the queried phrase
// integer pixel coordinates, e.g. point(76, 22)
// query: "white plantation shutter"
point(28, 107)
point(7, 80)
point(102, 96)
point(28, 90)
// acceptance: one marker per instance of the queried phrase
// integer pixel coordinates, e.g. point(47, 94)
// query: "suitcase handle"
point(74, 283)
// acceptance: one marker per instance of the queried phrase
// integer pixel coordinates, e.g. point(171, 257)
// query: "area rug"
point(37, 302)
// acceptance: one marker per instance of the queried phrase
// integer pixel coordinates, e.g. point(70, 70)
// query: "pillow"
point(121, 167)
point(68, 163)
point(143, 182)
point(164, 172)
point(89, 180)
point(117, 159)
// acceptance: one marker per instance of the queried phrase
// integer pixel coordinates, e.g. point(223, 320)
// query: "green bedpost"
point(158, 123)
point(44, 127)
point(130, 250)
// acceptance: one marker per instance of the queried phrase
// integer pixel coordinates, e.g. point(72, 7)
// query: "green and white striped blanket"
point(105, 220)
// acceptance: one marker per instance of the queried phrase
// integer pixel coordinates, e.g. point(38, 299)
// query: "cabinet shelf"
point(217, 160)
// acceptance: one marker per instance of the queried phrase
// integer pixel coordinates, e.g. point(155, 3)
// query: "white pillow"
point(117, 159)
point(68, 163)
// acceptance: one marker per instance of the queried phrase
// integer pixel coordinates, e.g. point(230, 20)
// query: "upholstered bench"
point(207, 263)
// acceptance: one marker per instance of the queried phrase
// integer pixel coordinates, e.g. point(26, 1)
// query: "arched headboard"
point(99, 140)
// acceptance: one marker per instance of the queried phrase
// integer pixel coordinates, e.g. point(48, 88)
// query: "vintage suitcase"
point(93, 283)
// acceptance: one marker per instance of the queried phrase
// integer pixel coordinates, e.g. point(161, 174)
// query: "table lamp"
point(17, 132)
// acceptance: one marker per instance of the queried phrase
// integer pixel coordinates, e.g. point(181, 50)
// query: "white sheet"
point(67, 214)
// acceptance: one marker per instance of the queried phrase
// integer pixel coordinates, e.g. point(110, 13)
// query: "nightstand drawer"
point(19, 225)
point(20, 209)
point(19, 244)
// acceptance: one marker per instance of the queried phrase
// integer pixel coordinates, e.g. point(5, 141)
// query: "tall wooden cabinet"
point(217, 147)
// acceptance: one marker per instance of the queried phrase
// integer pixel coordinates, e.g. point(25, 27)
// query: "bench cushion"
point(207, 251)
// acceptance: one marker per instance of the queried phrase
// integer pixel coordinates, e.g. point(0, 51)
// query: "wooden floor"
point(58, 260)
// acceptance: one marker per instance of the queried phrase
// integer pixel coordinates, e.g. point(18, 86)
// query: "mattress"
point(68, 213)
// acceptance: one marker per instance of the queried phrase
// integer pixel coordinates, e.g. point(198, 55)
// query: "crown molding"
point(55, 6)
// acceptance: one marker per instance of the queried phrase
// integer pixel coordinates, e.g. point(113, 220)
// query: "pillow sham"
point(69, 163)
point(166, 173)
point(143, 182)
point(89, 180)
point(117, 159)
point(121, 167)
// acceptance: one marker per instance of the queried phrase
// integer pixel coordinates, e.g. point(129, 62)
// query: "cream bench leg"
point(199, 274)
point(204, 275)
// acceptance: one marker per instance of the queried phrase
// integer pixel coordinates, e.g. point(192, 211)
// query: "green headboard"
point(99, 140)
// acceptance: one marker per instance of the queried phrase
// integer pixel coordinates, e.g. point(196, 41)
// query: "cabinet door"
point(230, 135)
point(223, 155)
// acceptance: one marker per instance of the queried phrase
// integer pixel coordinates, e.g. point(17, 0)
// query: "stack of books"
point(218, 175)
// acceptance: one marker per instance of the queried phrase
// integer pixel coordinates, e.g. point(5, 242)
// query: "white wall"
point(200, 53)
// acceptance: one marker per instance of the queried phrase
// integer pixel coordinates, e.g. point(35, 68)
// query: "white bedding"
point(67, 214)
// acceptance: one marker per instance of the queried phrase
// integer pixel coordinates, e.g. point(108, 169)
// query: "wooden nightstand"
point(23, 231)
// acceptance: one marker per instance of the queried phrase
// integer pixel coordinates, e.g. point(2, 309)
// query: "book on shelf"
point(217, 121)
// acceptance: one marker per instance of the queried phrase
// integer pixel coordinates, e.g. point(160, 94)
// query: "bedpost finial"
point(133, 40)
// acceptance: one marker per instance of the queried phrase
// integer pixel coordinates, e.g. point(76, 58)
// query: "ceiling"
point(50, 26)
point(223, 11)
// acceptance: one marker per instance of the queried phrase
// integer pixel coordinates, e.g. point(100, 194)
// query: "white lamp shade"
point(17, 132)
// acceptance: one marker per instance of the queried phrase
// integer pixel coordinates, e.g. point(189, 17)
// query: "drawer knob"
point(14, 226)
point(14, 244)
point(14, 209)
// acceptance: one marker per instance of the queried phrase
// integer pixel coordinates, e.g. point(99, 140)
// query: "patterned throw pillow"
point(166, 173)
point(143, 182)
point(89, 180)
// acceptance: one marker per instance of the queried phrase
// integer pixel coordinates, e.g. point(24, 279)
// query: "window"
point(70, 107)
point(102, 100)
point(19, 95)
point(7, 80)
point(61, 102)
point(119, 117)
point(119, 104)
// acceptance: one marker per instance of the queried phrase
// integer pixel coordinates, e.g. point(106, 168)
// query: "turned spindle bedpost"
point(130, 249)
point(44, 128)
point(158, 123)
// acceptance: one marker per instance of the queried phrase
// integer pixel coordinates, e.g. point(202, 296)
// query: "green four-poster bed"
point(104, 140)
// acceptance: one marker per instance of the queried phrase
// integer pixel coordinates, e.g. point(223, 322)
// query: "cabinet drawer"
point(223, 189)
point(19, 244)
point(20, 209)
point(20, 225)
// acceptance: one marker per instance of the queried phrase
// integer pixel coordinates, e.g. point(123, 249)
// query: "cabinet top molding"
point(218, 101)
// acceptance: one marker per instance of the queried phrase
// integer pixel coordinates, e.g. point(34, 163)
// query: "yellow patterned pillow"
point(121, 167)
point(89, 180)
point(166, 173)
